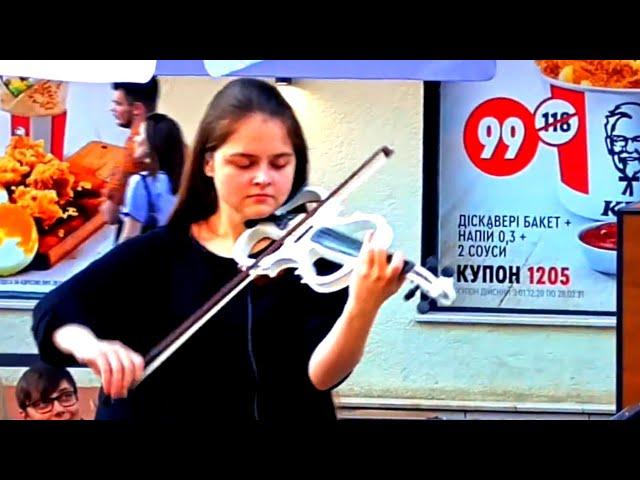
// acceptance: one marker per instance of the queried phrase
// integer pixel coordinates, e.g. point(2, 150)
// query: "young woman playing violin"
point(277, 349)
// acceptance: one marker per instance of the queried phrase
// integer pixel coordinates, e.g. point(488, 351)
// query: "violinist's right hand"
point(118, 366)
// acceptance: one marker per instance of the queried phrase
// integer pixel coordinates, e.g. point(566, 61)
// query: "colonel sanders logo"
point(622, 130)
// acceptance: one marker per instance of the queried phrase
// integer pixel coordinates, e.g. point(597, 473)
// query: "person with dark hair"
point(150, 194)
point(136, 99)
point(45, 392)
point(131, 104)
point(166, 147)
point(278, 348)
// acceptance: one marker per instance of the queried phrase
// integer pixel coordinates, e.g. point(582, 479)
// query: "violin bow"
point(158, 354)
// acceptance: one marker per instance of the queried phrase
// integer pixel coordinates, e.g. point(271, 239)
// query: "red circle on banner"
point(500, 137)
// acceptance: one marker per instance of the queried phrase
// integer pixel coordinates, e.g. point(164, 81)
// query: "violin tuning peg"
point(431, 264)
point(424, 307)
point(447, 272)
point(411, 293)
point(283, 221)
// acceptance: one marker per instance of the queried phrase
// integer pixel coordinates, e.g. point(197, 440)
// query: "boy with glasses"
point(45, 392)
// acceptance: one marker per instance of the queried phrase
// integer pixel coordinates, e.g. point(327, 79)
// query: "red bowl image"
point(599, 246)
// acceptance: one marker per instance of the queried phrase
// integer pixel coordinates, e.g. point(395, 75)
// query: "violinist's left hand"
point(374, 279)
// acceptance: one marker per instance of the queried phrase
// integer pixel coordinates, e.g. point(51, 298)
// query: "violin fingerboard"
point(343, 243)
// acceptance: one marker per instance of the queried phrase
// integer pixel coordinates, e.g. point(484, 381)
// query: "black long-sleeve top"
point(250, 360)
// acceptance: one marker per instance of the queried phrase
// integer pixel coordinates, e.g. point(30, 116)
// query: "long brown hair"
point(166, 147)
point(197, 197)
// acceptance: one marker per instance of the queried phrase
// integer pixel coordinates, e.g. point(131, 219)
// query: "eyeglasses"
point(65, 399)
point(620, 141)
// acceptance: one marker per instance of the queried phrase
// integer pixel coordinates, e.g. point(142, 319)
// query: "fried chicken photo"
point(595, 73)
point(42, 204)
point(53, 175)
point(11, 171)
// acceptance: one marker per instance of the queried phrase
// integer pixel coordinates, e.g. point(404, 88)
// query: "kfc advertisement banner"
point(534, 165)
point(58, 143)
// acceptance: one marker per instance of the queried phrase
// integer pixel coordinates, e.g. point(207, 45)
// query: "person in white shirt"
point(150, 195)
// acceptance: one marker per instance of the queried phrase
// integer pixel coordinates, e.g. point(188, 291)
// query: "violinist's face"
point(253, 170)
